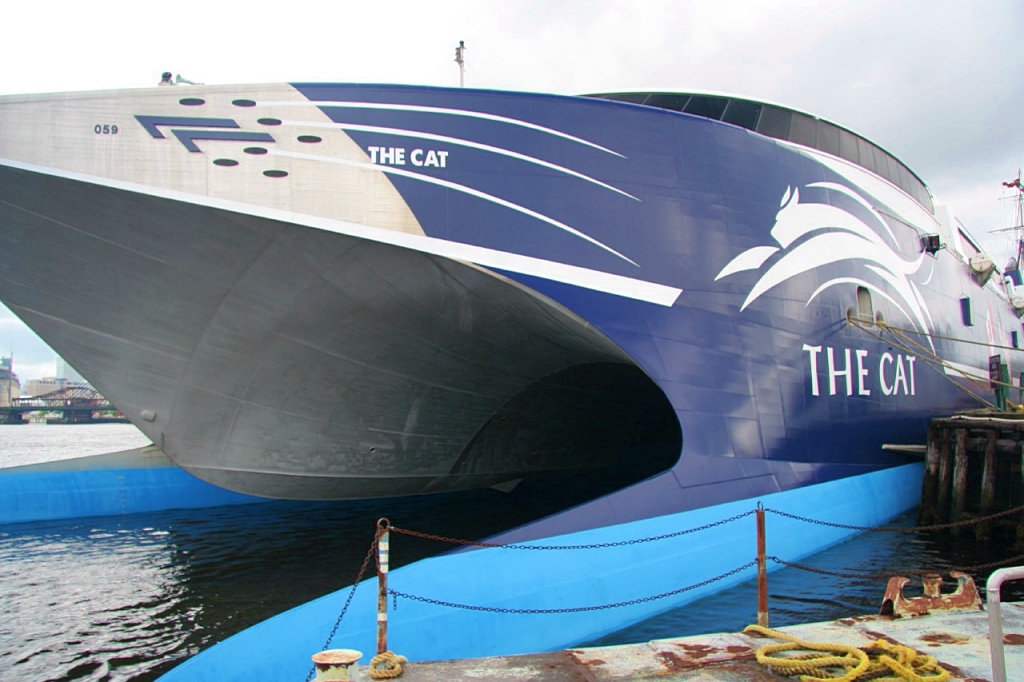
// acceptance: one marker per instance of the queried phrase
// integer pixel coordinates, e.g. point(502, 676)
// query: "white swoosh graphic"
point(452, 186)
point(447, 112)
point(824, 234)
point(456, 141)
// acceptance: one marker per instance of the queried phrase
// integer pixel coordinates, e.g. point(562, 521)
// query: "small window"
point(893, 173)
point(848, 146)
point(965, 312)
point(631, 97)
point(828, 138)
point(708, 107)
point(867, 155)
point(667, 101)
point(970, 248)
point(804, 130)
point(865, 311)
point(1013, 340)
point(742, 113)
point(774, 122)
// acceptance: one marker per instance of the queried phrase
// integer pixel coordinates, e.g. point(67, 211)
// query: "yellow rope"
point(845, 663)
point(392, 665)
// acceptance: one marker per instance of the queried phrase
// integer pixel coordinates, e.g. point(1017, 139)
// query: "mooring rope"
point(821, 661)
point(935, 362)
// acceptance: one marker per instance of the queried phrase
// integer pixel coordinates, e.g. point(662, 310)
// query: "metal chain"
point(359, 578)
point(602, 545)
point(577, 609)
point(912, 529)
point(892, 572)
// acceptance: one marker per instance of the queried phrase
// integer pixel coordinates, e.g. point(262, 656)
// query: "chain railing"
point(577, 609)
point(907, 529)
point(380, 545)
point(599, 545)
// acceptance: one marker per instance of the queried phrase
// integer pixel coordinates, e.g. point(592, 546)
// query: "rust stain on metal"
point(882, 635)
point(894, 603)
point(959, 674)
point(1013, 639)
point(737, 649)
point(674, 661)
point(944, 638)
point(698, 650)
point(578, 672)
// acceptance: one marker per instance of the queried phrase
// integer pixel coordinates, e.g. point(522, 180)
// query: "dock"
point(957, 639)
point(974, 464)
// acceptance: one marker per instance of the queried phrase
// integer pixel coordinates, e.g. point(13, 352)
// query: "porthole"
point(192, 102)
point(275, 173)
point(309, 139)
point(225, 162)
point(269, 121)
point(243, 103)
point(255, 150)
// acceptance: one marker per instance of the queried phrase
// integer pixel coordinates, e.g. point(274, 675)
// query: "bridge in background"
point(76, 405)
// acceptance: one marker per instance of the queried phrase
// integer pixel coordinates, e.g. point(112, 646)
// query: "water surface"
point(128, 598)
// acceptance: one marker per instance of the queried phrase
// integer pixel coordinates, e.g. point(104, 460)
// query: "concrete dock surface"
point(957, 639)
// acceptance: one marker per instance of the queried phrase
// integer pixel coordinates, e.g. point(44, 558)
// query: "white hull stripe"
point(594, 280)
point(441, 110)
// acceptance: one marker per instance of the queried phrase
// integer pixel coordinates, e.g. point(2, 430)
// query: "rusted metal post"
point(382, 585)
point(959, 478)
point(945, 478)
point(930, 481)
point(983, 531)
point(762, 571)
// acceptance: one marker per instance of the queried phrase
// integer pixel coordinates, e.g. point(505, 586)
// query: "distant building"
point(45, 385)
point(10, 387)
point(66, 371)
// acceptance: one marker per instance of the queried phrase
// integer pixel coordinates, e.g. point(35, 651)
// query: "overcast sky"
point(940, 84)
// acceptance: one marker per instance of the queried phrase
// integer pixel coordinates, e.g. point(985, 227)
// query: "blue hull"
point(279, 648)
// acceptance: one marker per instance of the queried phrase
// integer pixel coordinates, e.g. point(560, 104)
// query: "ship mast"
point(460, 60)
point(1018, 227)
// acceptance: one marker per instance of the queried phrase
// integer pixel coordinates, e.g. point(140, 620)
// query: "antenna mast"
point(460, 60)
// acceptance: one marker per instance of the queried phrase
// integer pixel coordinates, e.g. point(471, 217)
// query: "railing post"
point(762, 571)
point(382, 584)
point(995, 622)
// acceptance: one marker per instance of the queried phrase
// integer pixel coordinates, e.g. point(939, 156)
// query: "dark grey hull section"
point(288, 362)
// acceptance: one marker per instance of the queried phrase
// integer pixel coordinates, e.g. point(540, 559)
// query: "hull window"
point(865, 311)
point(965, 312)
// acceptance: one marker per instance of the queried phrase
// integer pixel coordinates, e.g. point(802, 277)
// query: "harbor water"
point(128, 598)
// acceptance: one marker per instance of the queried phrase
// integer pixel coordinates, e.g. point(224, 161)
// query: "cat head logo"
point(810, 235)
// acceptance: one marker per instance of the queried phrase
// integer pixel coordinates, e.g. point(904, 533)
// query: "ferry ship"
point(330, 291)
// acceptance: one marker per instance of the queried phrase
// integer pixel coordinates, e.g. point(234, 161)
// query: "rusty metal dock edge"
point(280, 648)
point(957, 640)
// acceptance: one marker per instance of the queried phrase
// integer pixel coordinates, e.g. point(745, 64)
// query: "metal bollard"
point(336, 664)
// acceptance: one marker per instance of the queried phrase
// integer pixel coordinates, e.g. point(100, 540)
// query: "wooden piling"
point(930, 484)
point(988, 486)
point(959, 477)
point(945, 478)
point(974, 467)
